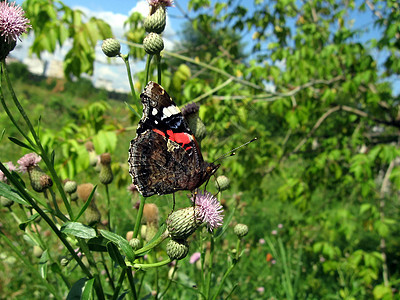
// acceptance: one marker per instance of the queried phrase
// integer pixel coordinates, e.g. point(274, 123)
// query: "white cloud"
point(110, 73)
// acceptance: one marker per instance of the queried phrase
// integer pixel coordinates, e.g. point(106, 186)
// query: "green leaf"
point(227, 220)
point(43, 264)
point(21, 144)
point(8, 192)
point(88, 290)
point(121, 242)
point(78, 230)
point(115, 255)
point(77, 289)
point(32, 218)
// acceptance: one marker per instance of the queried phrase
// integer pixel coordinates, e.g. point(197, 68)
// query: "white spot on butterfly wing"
point(170, 111)
point(154, 111)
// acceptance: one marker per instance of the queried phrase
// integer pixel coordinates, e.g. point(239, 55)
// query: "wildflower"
point(268, 257)
point(12, 25)
point(208, 209)
point(195, 257)
point(28, 161)
point(274, 232)
point(261, 241)
point(280, 226)
point(38, 178)
point(273, 261)
point(261, 289)
point(150, 214)
point(165, 3)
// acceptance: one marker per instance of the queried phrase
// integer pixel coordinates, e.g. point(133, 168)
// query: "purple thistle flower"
point(12, 22)
point(274, 232)
point(195, 257)
point(208, 209)
point(27, 161)
point(164, 3)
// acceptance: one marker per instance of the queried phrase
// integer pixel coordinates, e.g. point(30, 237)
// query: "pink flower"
point(132, 188)
point(274, 232)
point(261, 241)
point(273, 261)
point(208, 209)
point(28, 160)
point(280, 226)
point(261, 289)
point(12, 22)
point(195, 257)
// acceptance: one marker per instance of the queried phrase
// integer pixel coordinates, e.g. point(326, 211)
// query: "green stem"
point(224, 278)
point(139, 217)
point(131, 282)
point(39, 145)
point(209, 271)
point(110, 279)
point(148, 61)
point(119, 284)
point(153, 265)
point(158, 56)
point(53, 226)
point(29, 265)
point(108, 207)
point(152, 244)
point(125, 58)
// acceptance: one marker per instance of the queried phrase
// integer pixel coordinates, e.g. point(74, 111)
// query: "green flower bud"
point(74, 196)
point(241, 230)
point(182, 223)
point(156, 22)
point(64, 262)
point(92, 214)
point(106, 175)
point(151, 231)
point(70, 186)
point(134, 243)
point(153, 43)
point(5, 202)
point(222, 182)
point(177, 249)
point(37, 251)
point(39, 179)
point(191, 114)
point(111, 47)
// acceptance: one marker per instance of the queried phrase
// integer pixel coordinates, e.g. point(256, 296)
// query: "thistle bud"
point(191, 114)
point(134, 243)
point(111, 47)
point(70, 186)
point(182, 223)
point(5, 202)
point(39, 179)
point(153, 43)
point(241, 230)
point(37, 251)
point(106, 175)
point(177, 249)
point(222, 183)
point(156, 21)
point(92, 214)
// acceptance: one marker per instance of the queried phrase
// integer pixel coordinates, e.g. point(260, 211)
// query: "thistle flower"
point(165, 3)
point(39, 179)
point(12, 25)
point(195, 257)
point(208, 209)
point(28, 161)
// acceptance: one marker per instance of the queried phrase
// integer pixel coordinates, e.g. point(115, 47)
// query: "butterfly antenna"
point(232, 152)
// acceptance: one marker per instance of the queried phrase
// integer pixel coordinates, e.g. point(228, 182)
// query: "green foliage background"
point(325, 165)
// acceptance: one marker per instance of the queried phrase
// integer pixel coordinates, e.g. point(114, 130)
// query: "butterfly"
point(165, 157)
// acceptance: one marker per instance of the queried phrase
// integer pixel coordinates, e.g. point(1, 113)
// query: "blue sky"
point(115, 12)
